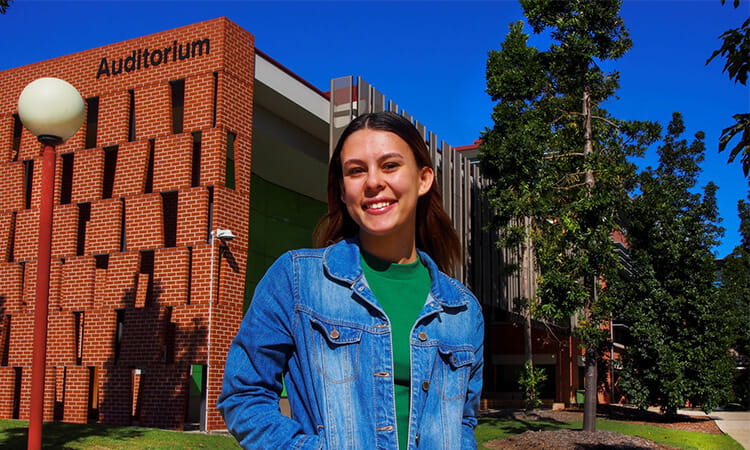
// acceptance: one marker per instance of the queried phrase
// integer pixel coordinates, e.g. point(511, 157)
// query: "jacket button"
point(425, 385)
point(334, 334)
point(422, 336)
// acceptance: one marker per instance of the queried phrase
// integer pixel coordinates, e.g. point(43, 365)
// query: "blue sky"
point(429, 57)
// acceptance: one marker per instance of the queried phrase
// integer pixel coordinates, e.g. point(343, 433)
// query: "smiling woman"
point(377, 347)
point(390, 134)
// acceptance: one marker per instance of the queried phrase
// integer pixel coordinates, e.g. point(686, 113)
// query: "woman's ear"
point(426, 178)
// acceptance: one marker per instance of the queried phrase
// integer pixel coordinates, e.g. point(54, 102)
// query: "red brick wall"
point(132, 162)
point(76, 394)
point(88, 173)
point(109, 275)
point(173, 159)
point(104, 227)
point(64, 231)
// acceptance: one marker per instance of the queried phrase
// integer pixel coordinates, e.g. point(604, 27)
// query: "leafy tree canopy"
point(559, 161)
point(680, 326)
point(4, 4)
point(735, 49)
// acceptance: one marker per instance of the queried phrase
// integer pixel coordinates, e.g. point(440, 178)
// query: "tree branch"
point(604, 119)
point(562, 155)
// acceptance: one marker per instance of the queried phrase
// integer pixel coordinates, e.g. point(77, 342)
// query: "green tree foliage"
point(558, 161)
point(681, 328)
point(735, 285)
point(735, 48)
point(4, 4)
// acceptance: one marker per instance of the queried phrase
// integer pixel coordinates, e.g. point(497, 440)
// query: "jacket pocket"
point(456, 367)
point(336, 350)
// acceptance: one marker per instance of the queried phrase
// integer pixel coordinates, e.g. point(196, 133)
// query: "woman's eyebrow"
point(351, 161)
point(382, 157)
point(391, 155)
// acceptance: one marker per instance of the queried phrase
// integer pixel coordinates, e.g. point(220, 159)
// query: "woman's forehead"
point(374, 143)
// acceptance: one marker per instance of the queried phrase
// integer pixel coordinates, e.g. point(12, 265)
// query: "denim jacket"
point(314, 321)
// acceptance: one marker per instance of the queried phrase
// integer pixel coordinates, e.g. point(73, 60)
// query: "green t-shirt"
point(401, 289)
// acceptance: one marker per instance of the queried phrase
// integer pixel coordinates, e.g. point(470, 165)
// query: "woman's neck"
point(399, 251)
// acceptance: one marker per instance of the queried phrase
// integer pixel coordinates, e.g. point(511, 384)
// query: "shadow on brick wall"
point(147, 380)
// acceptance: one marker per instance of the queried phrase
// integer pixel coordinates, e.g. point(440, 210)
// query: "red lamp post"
point(52, 110)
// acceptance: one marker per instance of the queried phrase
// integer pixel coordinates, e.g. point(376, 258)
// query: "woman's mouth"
point(378, 206)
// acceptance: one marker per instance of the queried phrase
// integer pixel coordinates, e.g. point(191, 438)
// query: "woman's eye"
point(354, 170)
point(390, 166)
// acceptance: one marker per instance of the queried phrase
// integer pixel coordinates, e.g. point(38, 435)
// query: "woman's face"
point(381, 184)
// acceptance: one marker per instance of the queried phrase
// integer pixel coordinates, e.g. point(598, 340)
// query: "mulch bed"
point(570, 439)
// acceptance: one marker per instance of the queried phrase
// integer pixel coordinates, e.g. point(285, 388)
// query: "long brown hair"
point(434, 230)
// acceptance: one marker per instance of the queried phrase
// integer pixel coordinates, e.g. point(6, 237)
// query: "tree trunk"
point(588, 146)
point(589, 400)
point(527, 294)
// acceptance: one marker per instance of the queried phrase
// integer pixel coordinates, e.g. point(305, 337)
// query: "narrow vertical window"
point(231, 137)
point(210, 213)
point(189, 274)
point(120, 325)
point(18, 372)
point(92, 121)
point(110, 169)
point(84, 215)
point(169, 217)
point(66, 184)
point(149, 184)
point(23, 280)
point(123, 234)
point(5, 340)
point(195, 176)
point(78, 318)
point(12, 238)
point(178, 104)
point(144, 295)
point(214, 99)
point(169, 337)
point(61, 374)
point(135, 381)
point(17, 132)
point(93, 412)
point(28, 181)
point(131, 116)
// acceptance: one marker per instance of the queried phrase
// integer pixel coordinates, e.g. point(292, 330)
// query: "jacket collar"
point(341, 262)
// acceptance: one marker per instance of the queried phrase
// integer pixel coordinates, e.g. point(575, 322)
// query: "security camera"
point(224, 235)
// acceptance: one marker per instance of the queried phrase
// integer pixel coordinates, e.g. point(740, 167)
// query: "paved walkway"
point(735, 424)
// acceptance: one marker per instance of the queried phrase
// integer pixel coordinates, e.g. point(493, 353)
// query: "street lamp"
point(225, 236)
point(53, 110)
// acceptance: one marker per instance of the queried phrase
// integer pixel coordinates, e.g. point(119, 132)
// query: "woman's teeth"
point(377, 205)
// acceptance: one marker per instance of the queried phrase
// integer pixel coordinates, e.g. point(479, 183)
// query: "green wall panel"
point(280, 220)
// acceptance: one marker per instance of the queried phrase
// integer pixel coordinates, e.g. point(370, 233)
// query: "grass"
point(493, 428)
point(13, 435)
point(75, 436)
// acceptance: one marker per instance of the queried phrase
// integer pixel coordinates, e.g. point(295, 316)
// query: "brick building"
point(189, 131)
point(163, 158)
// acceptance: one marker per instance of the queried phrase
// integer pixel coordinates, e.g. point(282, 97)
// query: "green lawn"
point(13, 435)
point(490, 429)
point(73, 436)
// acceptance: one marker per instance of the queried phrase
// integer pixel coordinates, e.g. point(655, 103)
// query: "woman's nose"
point(375, 181)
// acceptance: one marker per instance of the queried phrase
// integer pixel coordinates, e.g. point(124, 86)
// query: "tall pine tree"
point(558, 161)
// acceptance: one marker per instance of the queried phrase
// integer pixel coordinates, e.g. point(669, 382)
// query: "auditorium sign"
point(145, 57)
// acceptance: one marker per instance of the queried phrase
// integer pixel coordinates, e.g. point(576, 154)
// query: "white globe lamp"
point(51, 108)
